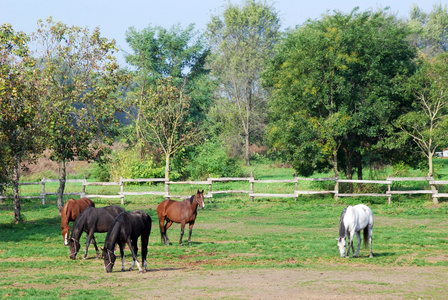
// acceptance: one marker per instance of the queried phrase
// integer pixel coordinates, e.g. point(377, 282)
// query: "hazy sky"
point(115, 17)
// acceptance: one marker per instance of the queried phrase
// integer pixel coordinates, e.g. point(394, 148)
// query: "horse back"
point(72, 209)
point(176, 211)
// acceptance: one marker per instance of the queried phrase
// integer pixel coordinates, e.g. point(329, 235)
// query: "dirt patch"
point(365, 283)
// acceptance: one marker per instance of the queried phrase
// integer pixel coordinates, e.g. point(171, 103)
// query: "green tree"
point(430, 30)
point(20, 110)
point(336, 84)
point(427, 123)
point(80, 78)
point(165, 116)
point(175, 53)
point(242, 40)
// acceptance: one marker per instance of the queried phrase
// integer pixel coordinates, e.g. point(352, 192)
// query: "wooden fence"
point(434, 184)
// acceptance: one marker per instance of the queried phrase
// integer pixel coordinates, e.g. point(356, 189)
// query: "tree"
point(242, 41)
point(165, 114)
point(80, 79)
point(430, 30)
point(336, 84)
point(20, 111)
point(175, 53)
point(427, 123)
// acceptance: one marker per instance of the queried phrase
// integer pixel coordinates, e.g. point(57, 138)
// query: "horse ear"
point(202, 192)
point(69, 228)
point(337, 239)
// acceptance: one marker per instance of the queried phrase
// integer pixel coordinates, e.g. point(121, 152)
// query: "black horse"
point(92, 220)
point(126, 228)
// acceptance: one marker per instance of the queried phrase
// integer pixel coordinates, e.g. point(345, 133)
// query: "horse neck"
point(112, 235)
point(193, 203)
point(64, 216)
point(342, 223)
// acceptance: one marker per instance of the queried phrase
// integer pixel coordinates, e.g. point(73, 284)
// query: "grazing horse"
point(92, 220)
point(126, 228)
point(70, 212)
point(353, 220)
point(179, 212)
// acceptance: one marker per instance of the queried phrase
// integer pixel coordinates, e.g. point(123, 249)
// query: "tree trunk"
point(349, 167)
point(248, 102)
point(61, 188)
point(430, 165)
point(336, 175)
point(167, 166)
point(15, 183)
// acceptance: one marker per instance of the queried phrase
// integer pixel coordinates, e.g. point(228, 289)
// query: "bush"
point(213, 159)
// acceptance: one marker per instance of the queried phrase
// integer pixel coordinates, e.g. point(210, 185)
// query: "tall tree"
point(427, 123)
point(339, 79)
point(81, 78)
point(242, 40)
point(165, 114)
point(20, 111)
point(430, 30)
point(175, 53)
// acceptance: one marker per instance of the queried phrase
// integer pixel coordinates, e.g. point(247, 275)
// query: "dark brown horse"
point(126, 228)
point(70, 212)
point(92, 220)
point(182, 212)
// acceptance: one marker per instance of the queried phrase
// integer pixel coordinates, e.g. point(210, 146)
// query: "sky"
point(114, 17)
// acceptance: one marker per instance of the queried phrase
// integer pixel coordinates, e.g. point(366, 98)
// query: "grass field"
point(266, 249)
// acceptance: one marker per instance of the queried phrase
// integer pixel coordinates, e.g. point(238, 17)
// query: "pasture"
point(240, 249)
point(266, 249)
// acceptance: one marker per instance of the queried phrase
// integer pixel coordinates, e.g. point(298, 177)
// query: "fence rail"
point(251, 192)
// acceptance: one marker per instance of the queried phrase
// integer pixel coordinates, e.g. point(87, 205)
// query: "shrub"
point(213, 159)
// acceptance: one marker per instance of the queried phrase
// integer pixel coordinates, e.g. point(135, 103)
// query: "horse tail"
point(366, 237)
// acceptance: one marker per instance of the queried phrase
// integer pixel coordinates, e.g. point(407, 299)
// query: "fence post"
point(84, 183)
point(297, 185)
point(336, 189)
point(389, 196)
point(167, 188)
point(435, 200)
point(122, 190)
point(42, 194)
point(210, 187)
point(251, 186)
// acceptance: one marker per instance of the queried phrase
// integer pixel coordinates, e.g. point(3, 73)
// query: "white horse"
point(353, 220)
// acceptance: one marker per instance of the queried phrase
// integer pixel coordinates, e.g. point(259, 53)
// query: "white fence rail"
point(434, 184)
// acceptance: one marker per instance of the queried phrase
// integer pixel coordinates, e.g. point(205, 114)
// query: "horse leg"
point(162, 228)
point(133, 246)
point(121, 245)
point(88, 237)
point(350, 245)
point(358, 237)
point(167, 225)
point(144, 240)
point(189, 234)
point(370, 242)
point(182, 227)
point(96, 247)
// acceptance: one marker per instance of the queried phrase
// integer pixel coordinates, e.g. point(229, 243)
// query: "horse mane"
point(65, 208)
point(114, 232)
point(341, 224)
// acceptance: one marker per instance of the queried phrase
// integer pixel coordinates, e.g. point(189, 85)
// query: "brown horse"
point(179, 212)
point(70, 212)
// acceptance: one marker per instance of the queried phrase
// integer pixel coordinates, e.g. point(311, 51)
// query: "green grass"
point(231, 233)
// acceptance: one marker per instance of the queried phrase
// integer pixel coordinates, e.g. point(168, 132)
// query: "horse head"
point(65, 234)
point(199, 197)
point(342, 245)
point(74, 248)
point(109, 258)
